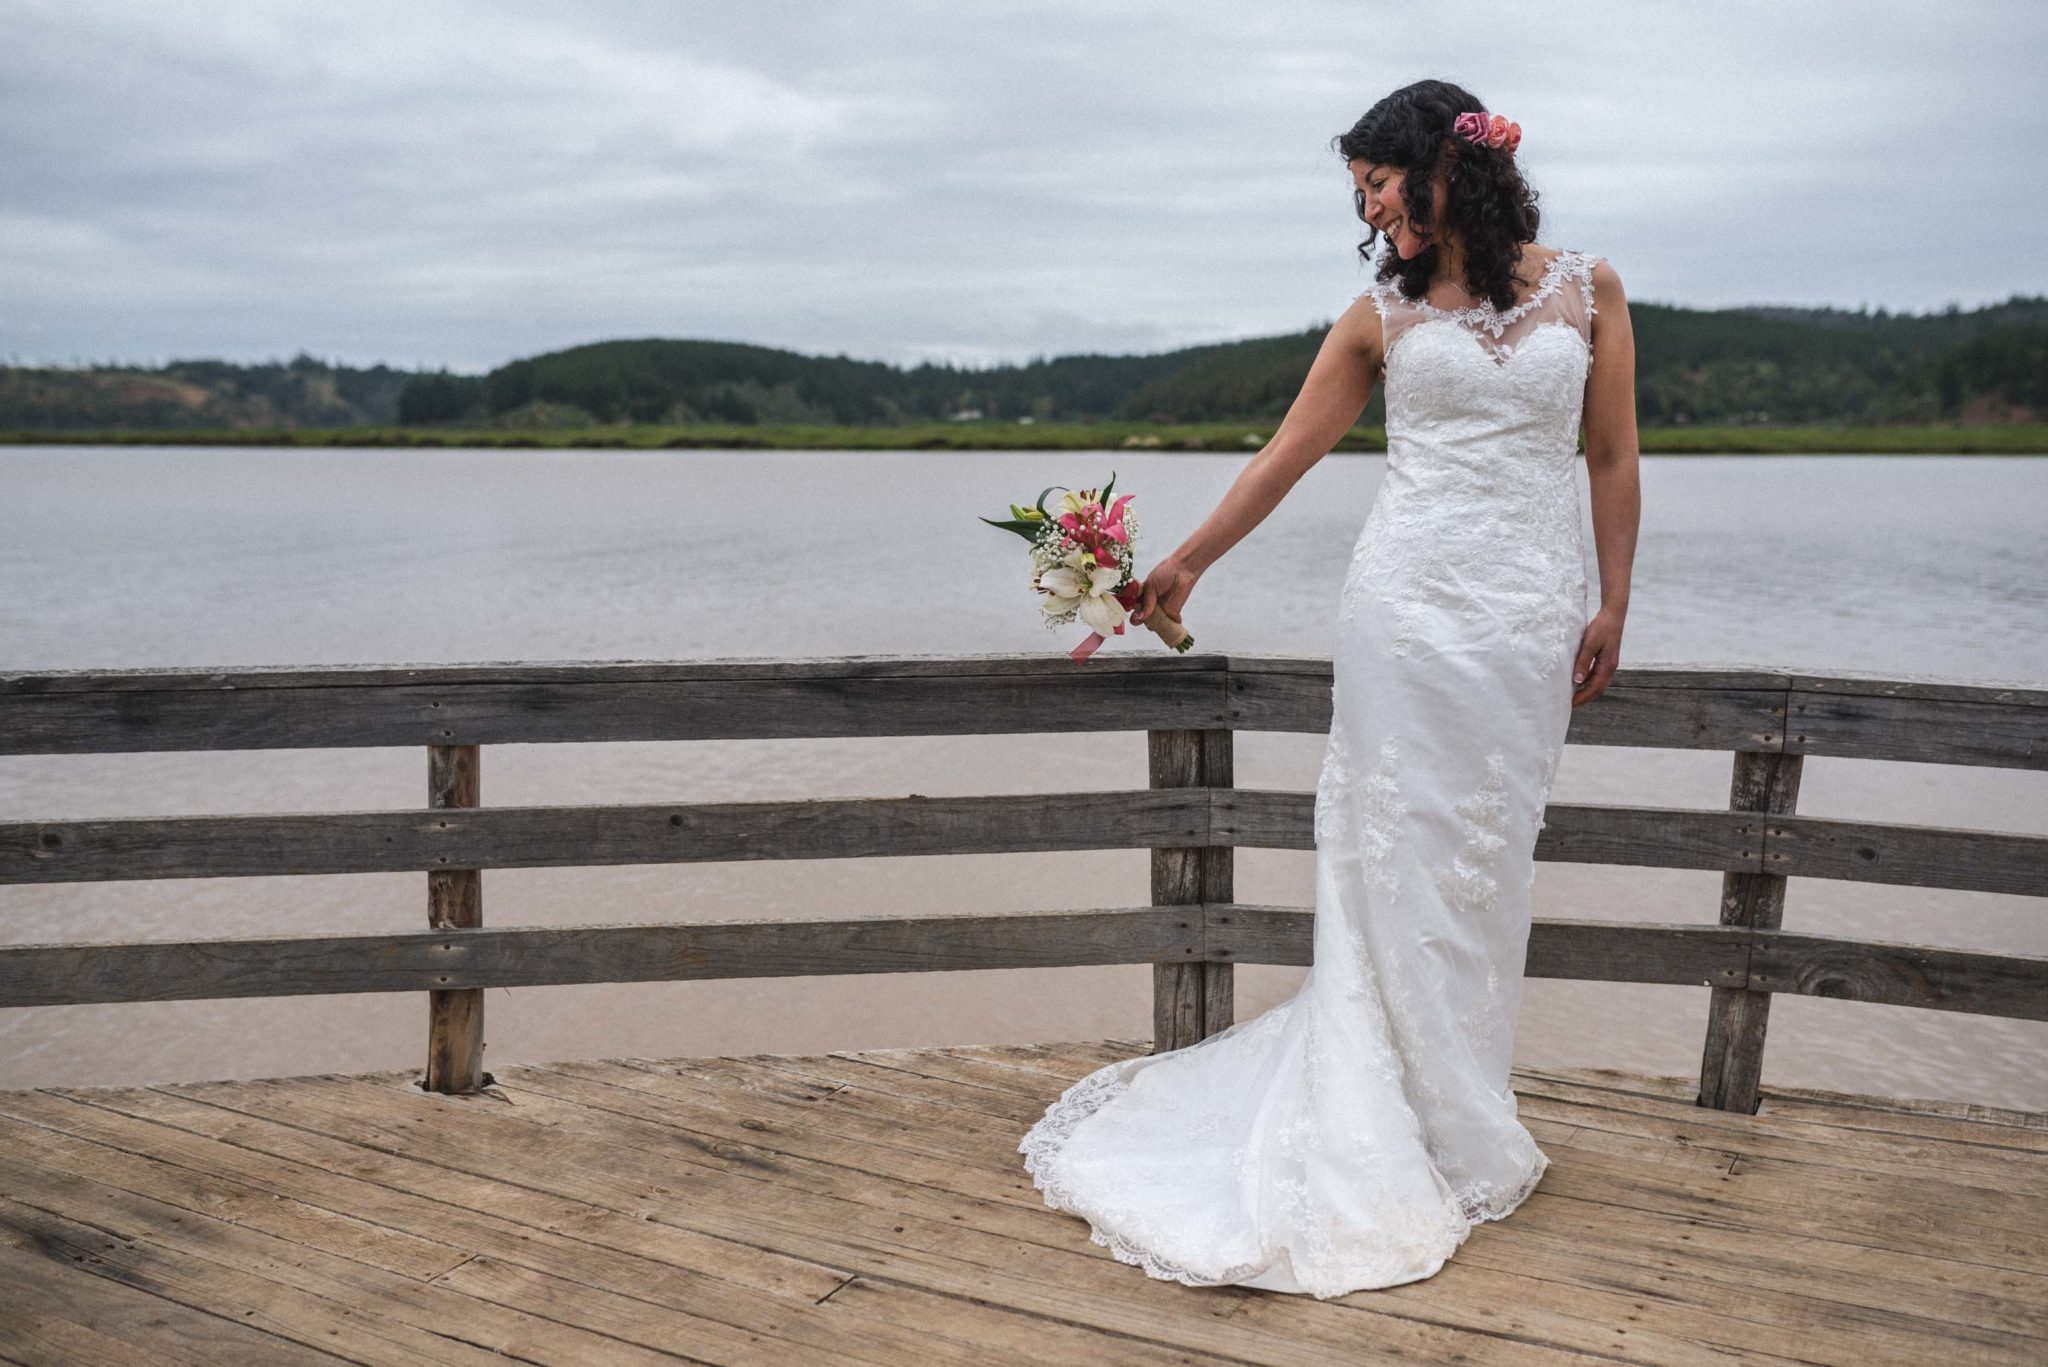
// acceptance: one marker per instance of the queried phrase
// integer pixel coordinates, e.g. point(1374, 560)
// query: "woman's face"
point(1387, 210)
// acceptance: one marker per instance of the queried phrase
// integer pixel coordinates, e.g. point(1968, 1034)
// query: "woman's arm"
point(1611, 472)
point(1331, 398)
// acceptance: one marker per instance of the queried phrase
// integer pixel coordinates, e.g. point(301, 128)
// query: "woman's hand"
point(1166, 588)
point(1599, 650)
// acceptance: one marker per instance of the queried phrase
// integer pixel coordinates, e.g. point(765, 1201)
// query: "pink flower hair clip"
point(1489, 130)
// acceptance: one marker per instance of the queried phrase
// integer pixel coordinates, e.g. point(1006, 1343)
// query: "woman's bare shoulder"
point(1359, 327)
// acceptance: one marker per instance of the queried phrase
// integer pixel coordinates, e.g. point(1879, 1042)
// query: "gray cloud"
point(460, 184)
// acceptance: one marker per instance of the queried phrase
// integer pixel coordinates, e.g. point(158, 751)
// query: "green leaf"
point(1028, 530)
point(1043, 492)
point(1106, 488)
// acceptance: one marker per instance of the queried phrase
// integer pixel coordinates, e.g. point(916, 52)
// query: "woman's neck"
point(1452, 254)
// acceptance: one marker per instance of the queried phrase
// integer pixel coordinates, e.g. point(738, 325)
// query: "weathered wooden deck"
point(870, 1207)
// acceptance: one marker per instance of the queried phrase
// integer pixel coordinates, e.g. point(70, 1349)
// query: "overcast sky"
point(432, 183)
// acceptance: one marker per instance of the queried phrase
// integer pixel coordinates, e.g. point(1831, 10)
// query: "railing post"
point(1731, 1070)
point(1190, 1001)
point(455, 901)
point(1218, 874)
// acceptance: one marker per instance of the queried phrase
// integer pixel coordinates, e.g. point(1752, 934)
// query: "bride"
point(1352, 1136)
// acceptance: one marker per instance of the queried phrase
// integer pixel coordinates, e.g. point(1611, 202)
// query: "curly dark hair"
point(1487, 204)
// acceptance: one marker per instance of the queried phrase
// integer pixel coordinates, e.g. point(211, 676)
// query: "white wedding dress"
point(1352, 1136)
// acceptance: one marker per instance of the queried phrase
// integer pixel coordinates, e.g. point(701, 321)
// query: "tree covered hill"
point(1746, 366)
point(302, 392)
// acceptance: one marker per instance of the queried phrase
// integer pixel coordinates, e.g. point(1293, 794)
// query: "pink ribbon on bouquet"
point(1130, 595)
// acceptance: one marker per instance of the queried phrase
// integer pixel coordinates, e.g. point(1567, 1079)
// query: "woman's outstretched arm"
point(1334, 394)
point(1611, 473)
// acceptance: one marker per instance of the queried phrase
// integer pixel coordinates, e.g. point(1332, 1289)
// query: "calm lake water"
point(112, 557)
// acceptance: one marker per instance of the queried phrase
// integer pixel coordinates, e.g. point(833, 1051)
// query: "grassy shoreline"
point(2003, 439)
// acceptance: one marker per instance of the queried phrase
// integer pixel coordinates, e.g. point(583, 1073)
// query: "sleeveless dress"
point(1352, 1136)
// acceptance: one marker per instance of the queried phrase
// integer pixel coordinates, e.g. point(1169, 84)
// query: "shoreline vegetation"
point(1893, 439)
point(1753, 380)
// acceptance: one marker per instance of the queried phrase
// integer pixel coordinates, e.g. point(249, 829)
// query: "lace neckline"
point(1483, 313)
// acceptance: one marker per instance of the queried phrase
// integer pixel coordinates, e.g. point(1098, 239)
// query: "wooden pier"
point(869, 1208)
point(872, 1207)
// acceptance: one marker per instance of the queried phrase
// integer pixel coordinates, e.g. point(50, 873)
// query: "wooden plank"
point(658, 1308)
point(966, 1066)
point(207, 1266)
point(511, 705)
point(1594, 951)
point(587, 836)
point(1214, 818)
point(866, 1074)
point(517, 956)
point(1901, 975)
point(411, 1196)
point(1818, 1180)
point(41, 1152)
point(1934, 1119)
point(1694, 710)
point(1941, 1117)
point(1820, 1299)
point(1649, 837)
point(58, 1313)
point(1708, 1134)
point(101, 710)
point(1924, 723)
point(863, 1320)
point(33, 1340)
point(1913, 856)
point(720, 669)
point(1925, 688)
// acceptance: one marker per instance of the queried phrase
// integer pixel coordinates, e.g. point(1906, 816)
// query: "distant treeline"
point(1727, 367)
point(301, 392)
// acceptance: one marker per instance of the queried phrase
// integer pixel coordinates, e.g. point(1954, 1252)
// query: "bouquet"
point(1081, 561)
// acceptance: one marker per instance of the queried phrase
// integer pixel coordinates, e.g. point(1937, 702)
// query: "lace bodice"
point(1480, 511)
point(1500, 331)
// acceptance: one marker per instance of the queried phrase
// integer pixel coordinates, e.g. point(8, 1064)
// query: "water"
point(125, 557)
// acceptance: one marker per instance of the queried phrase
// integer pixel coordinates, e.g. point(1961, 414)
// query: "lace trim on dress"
point(1477, 1203)
point(1483, 314)
point(1485, 1201)
point(1051, 1134)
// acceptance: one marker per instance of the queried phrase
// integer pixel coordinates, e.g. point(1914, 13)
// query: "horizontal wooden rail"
point(1710, 956)
point(1689, 838)
point(562, 837)
point(81, 712)
point(501, 956)
point(1217, 933)
point(846, 828)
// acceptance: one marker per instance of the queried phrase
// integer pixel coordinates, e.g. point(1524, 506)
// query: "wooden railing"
point(1191, 817)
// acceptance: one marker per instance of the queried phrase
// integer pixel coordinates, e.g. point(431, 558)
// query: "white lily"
point(1077, 582)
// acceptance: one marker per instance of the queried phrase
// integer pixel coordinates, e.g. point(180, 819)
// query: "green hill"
point(301, 392)
point(1753, 366)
